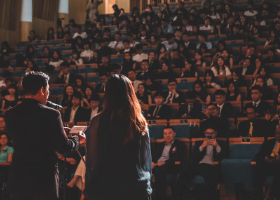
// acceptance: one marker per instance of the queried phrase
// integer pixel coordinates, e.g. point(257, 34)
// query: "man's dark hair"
point(171, 127)
point(212, 104)
point(190, 95)
point(172, 80)
point(220, 92)
point(9, 79)
point(169, 36)
point(250, 106)
point(94, 97)
point(257, 87)
point(65, 64)
point(203, 35)
point(147, 61)
point(138, 46)
point(131, 70)
point(164, 20)
point(78, 95)
point(118, 33)
point(126, 41)
point(33, 81)
point(158, 94)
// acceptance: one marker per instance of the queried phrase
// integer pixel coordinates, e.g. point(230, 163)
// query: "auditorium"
point(206, 74)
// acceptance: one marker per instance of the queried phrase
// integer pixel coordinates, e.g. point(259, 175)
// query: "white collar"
point(257, 103)
point(220, 106)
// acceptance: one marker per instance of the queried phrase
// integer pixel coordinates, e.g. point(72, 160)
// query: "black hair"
point(158, 94)
point(65, 64)
point(190, 95)
point(78, 95)
point(33, 81)
point(172, 80)
point(220, 92)
point(257, 87)
point(171, 127)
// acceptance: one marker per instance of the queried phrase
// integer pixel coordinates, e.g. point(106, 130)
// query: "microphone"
point(53, 105)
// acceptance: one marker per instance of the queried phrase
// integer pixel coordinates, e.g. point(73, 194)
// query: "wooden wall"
point(77, 10)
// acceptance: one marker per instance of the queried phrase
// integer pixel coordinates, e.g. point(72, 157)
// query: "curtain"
point(10, 13)
point(45, 9)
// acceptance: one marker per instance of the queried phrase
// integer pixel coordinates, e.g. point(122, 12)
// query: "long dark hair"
point(16, 90)
point(65, 96)
point(120, 100)
point(50, 37)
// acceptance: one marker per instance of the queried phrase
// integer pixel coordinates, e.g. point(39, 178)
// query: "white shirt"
point(72, 114)
point(226, 72)
point(208, 158)
point(140, 57)
point(93, 112)
point(133, 44)
point(167, 45)
point(56, 64)
point(79, 62)
point(82, 34)
point(115, 44)
point(244, 70)
point(204, 28)
point(136, 84)
point(87, 53)
point(189, 28)
point(66, 78)
point(170, 97)
point(165, 153)
point(2, 83)
point(220, 107)
point(249, 14)
point(215, 85)
point(256, 103)
point(217, 16)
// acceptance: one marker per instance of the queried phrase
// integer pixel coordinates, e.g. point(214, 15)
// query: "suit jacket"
point(222, 126)
point(266, 150)
point(261, 109)
point(180, 99)
point(142, 76)
point(191, 46)
point(177, 152)
point(261, 128)
point(98, 88)
point(249, 71)
point(72, 79)
point(164, 112)
point(195, 111)
point(80, 116)
point(37, 133)
point(227, 111)
point(239, 83)
point(199, 155)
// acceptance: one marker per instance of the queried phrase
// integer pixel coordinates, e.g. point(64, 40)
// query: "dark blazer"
point(72, 79)
point(261, 128)
point(80, 116)
point(191, 46)
point(164, 112)
point(227, 111)
point(249, 71)
point(180, 99)
point(195, 111)
point(222, 126)
point(37, 134)
point(261, 109)
point(266, 150)
point(88, 111)
point(198, 155)
point(98, 88)
point(143, 76)
point(178, 152)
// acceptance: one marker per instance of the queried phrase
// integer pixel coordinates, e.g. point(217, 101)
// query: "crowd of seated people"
point(217, 64)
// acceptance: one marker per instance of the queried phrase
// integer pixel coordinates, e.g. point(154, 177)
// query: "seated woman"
point(221, 68)
point(75, 59)
point(232, 93)
point(89, 91)
point(128, 64)
point(32, 36)
point(263, 72)
point(209, 80)
point(80, 84)
point(143, 95)
point(66, 100)
point(46, 53)
point(189, 70)
point(272, 57)
point(30, 52)
point(199, 61)
point(200, 92)
point(11, 99)
point(166, 72)
point(162, 53)
point(56, 59)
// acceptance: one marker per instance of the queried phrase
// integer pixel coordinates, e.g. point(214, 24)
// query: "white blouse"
point(56, 64)
point(226, 72)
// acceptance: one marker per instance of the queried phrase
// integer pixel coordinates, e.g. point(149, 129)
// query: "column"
point(63, 11)
point(26, 19)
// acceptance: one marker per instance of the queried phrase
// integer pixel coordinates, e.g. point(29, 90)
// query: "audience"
point(160, 110)
point(132, 77)
point(66, 100)
point(143, 95)
point(172, 95)
point(191, 109)
point(65, 77)
point(100, 87)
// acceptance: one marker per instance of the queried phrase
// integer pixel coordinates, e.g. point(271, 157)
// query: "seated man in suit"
point(165, 155)
point(145, 71)
point(173, 96)
point(225, 110)
point(132, 77)
point(76, 113)
point(212, 117)
point(268, 163)
point(190, 109)
point(127, 48)
point(204, 154)
point(261, 107)
point(246, 68)
point(160, 110)
point(189, 45)
point(117, 44)
point(96, 107)
point(65, 77)
point(104, 65)
point(100, 87)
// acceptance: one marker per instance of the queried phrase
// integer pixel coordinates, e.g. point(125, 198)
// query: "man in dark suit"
point(225, 110)
point(65, 77)
point(160, 110)
point(38, 135)
point(190, 109)
point(246, 68)
point(261, 107)
point(76, 113)
point(173, 96)
point(188, 44)
point(204, 154)
point(268, 163)
point(95, 107)
point(165, 155)
point(146, 72)
point(127, 48)
point(100, 87)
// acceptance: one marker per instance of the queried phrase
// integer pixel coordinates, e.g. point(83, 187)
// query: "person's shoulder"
point(49, 111)
point(10, 149)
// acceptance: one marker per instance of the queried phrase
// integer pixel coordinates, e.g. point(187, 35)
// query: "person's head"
point(164, 22)
point(72, 22)
point(225, 54)
point(198, 55)
point(94, 101)
point(103, 77)
point(256, 93)
point(246, 63)
point(126, 44)
point(89, 91)
point(165, 66)
point(202, 38)
point(56, 55)
point(46, 50)
point(68, 91)
point(178, 33)
point(190, 97)
point(172, 84)
point(231, 88)
point(186, 37)
point(152, 55)
point(131, 75)
point(203, 48)
point(260, 81)
point(220, 97)
point(158, 98)
point(115, 68)
point(207, 21)
point(35, 85)
point(60, 29)
point(50, 31)
point(141, 89)
point(212, 109)
point(77, 98)
point(79, 29)
point(174, 54)
point(169, 134)
point(220, 61)
point(210, 132)
point(32, 34)
point(221, 46)
point(161, 49)
point(2, 122)
point(8, 81)
point(145, 65)
point(251, 113)
point(79, 81)
point(236, 29)
point(127, 57)
point(117, 36)
point(86, 46)
point(13, 90)
point(120, 101)
point(105, 60)
point(4, 139)
point(209, 76)
point(138, 48)
point(197, 86)
point(5, 45)
point(64, 67)
point(270, 53)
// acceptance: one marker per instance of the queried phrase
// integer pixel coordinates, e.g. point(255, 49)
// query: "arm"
point(208, 99)
point(149, 100)
point(231, 63)
point(228, 73)
point(3, 104)
point(238, 98)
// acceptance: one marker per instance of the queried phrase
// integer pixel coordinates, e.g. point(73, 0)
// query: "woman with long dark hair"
point(66, 100)
point(128, 64)
point(118, 160)
point(143, 95)
point(50, 34)
point(11, 99)
point(59, 33)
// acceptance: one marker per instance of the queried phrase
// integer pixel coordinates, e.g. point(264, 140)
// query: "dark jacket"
point(227, 111)
point(98, 88)
point(195, 111)
point(143, 76)
point(180, 99)
point(261, 109)
point(266, 150)
point(164, 112)
point(80, 116)
point(72, 79)
point(178, 152)
point(37, 134)
point(199, 155)
point(261, 128)
point(249, 71)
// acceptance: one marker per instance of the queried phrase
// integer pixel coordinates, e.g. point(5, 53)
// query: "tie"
point(255, 104)
point(170, 98)
point(156, 112)
point(219, 111)
point(276, 151)
point(190, 109)
point(116, 44)
point(65, 78)
point(251, 129)
point(102, 88)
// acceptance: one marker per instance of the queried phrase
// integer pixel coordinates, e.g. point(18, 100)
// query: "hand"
point(67, 131)
point(153, 165)
point(267, 116)
point(149, 115)
point(214, 143)
point(174, 92)
point(160, 163)
point(204, 144)
point(60, 157)
point(60, 74)
point(184, 116)
point(266, 159)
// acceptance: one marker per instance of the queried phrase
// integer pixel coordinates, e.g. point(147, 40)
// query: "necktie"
point(276, 151)
point(116, 44)
point(251, 129)
point(65, 78)
point(170, 98)
point(219, 111)
point(156, 112)
point(189, 110)
point(102, 88)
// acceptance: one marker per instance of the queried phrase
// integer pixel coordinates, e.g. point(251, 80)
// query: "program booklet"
point(78, 129)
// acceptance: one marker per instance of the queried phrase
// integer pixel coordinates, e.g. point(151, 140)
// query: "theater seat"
point(156, 131)
point(185, 86)
point(95, 79)
point(56, 91)
point(182, 131)
point(243, 151)
point(174, 113)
